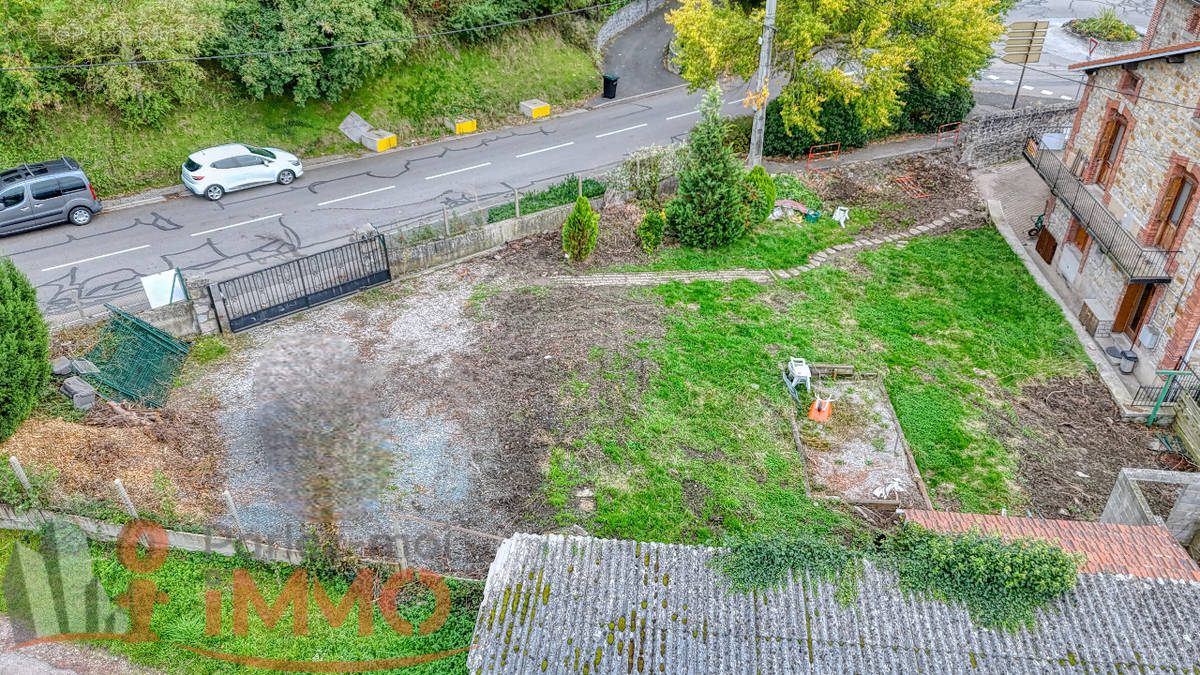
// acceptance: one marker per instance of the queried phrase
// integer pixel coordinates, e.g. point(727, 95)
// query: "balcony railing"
point(1140, 263)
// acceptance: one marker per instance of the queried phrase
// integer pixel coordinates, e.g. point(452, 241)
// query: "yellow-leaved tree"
point(860, 51)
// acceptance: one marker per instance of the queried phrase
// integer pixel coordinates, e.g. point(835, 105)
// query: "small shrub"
point(764, 562)
point(580, 230)
point(644, 171)
point(1000, 583)
point(737, 134)
point(761, 195)
point(24, 349)
point(1104, 26)
point(651, 231)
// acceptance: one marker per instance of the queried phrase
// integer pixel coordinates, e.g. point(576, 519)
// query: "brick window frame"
point(1112, 109)
point(1130, 85)
point(1180, 167)
point(1193, 22)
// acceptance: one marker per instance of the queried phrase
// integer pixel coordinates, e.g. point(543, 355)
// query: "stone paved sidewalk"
point(946, 223)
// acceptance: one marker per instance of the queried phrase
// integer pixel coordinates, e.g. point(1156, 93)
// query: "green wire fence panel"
point(137, 361)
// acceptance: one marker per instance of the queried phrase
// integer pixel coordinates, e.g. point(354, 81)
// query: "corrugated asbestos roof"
point(558, 604)
point(1141, 550)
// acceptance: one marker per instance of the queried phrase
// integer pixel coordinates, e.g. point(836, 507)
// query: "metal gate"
point(290, 287)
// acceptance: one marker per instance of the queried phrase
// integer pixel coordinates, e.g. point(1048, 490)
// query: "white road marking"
point(733, 100)
point(244, 222)
point(130, 205)
point(1027, 87)
point(465, 168)
point(1066, 98)
point(361, 194)
point(675, 117)
point(618, 131)
point(553, 147)
point(1009, 82)
point(992, 77)
point(97, 257)
point(1047, 92)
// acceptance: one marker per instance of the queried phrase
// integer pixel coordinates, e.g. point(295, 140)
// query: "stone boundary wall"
point(999, 137)
point(624, 18)
point(409, 259)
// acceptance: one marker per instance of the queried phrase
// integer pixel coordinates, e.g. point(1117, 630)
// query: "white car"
point(214, 171)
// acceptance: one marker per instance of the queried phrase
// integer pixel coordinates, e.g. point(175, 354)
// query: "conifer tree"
point(24, 348)
point(580, 231)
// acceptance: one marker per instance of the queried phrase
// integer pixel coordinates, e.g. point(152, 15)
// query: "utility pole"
point(754, 157)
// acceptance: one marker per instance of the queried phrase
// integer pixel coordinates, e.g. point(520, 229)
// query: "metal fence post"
point(517, 201)
point(24, 480)
point(237, 522)
point(579, 182)
point(445, 220)
point(125, 498)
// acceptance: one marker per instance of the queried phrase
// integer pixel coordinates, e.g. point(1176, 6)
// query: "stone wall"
point(408, 259)
point(1169, 24)
point(624, 18)
point(177, 318)
point(999, 137)
point(1127, 505)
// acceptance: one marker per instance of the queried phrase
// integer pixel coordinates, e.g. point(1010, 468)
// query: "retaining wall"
point(1128, 506)
point(999, 137)
point(624, 18)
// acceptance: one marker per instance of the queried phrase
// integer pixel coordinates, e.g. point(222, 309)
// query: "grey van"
point(45, 193)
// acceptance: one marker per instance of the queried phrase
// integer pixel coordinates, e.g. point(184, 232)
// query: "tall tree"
point(859, 52)
point(24, 348)
point(710, 210)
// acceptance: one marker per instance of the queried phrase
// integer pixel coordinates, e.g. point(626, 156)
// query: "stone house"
point(1124, 189)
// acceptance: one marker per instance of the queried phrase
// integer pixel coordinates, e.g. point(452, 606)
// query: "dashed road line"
point(244, 222)
point(1047, 92)
point(1065, 97)
point(675, 117)
point(553, 147)
point(1009, 82)
point(465, 168)
point(618, 131)
point(1027, 87)
point(95, 257)
point(992, 77)
point(361, 194)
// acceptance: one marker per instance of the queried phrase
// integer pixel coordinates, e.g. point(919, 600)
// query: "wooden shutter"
point(1167, 229)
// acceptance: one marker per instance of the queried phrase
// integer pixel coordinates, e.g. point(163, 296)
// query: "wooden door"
point(1110, 147)
point(1133, 310)
point(1170, 212)
point(1046, 245)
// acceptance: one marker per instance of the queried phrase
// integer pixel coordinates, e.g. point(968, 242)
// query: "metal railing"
point(1140, 263)
point(1184, 385)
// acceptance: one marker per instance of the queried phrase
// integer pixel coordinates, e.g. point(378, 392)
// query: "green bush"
point(839, 124)
point(24, 349)
point(767, 562)
point(1104, 26)
point(760, 191)
point(737, 134)
point(650, 231)
point(710, 209)
point(925, 110)
point(580, 230)
point(1000, 583)
point(560, 193)
point(474, 14)
point(270, 25)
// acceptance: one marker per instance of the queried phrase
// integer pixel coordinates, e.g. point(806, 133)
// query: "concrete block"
point(378, 140)
point(82, 394)
point(61, 366)
point(83, 401)
point(461, 125)
point(84, 367)
point(535, 108)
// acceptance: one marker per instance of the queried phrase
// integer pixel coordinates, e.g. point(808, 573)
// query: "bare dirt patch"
point(873, 185)
point(860, 455)
point(1072, 446)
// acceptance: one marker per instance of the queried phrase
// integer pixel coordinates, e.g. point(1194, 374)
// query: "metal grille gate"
point(266, 295)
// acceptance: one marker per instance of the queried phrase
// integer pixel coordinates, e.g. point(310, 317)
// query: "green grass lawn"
point(486, 81)
point(703, 447)
point(183, 576)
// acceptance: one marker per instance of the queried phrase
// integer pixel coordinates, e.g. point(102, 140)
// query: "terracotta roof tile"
point(1146, 551)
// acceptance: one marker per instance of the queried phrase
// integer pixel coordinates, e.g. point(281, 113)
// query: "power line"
point(301, 50)
point(921, 28)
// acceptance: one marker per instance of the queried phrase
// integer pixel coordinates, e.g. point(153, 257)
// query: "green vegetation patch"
point(698, 446)
point(1104, 26)
point(561, 193)
point(185, 577)
point(769, 561)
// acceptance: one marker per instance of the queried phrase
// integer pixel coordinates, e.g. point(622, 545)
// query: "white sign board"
point(164, 288)
point(840, 214)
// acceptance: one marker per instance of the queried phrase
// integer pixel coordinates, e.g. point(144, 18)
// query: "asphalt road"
point(250, 229)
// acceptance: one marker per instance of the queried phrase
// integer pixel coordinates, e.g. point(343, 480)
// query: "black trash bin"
point(1128, 361)
point(610, 85)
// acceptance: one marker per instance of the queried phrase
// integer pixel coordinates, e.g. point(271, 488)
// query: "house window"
point(1131, 85)
point(1180, 192)
point(1110, 149)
